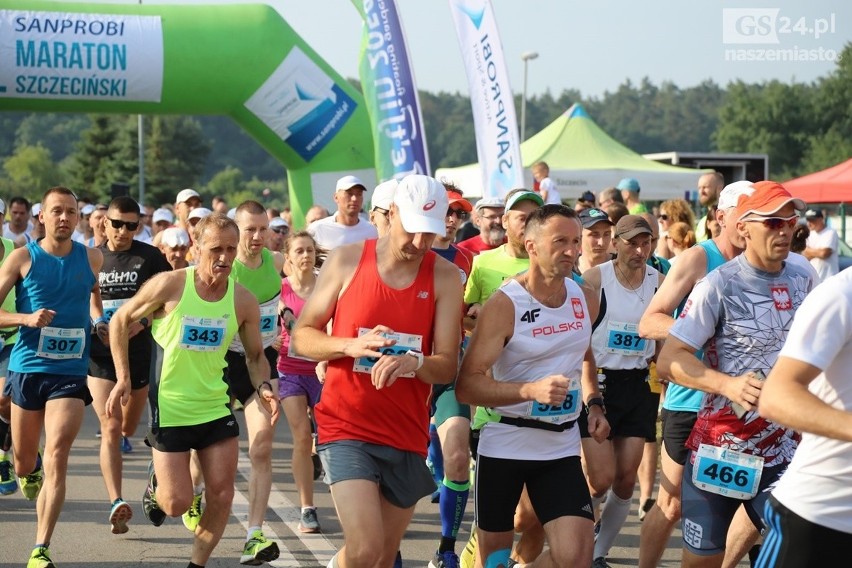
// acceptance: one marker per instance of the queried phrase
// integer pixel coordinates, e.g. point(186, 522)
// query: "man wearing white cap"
point(345, 226)
point(83, 232)
point(278, 231)
point(380, 205)
point(489, 219)
point(681, 404)
point(185, 202)
point(174, 244)
point(161, 220)
point(394, 307)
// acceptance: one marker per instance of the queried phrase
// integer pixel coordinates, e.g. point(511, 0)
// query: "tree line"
point(803, 127)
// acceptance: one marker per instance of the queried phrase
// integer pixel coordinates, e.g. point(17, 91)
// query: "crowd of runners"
point(417, 343)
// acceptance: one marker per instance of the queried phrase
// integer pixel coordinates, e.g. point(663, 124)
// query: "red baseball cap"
point(767, 198)
point(456, 200)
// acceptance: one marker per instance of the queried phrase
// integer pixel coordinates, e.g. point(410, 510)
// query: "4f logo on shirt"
point(781, 297)
point(578, 308)
point(530, 315)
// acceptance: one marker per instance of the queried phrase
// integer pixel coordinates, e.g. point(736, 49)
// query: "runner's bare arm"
point(690, 267)
point(310, 336)
point(598, 425)
point(16, 266)
point(786, 399)
point(475, 385)
point(151, 298)
point(248, 318)
point(677, 363)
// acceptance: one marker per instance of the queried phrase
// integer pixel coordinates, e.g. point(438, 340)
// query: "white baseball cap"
point(383, 194)
point(232, 213)
point(2, 207)
point(198, 213)
point(87, 209)
point(348, 182)
point(175, 237)
point(422, 202)
point(278, 222)
point(162, 214)
point(730, 195)
point(36, 209)
point(185, 195)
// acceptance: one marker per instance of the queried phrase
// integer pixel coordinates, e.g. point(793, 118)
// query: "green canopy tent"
point(582, 157)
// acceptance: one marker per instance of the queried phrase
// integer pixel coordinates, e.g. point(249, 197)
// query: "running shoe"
point(149, 500)
point(600, 562)
point(8, 484)
point(258, 550)
point(31, 484)
point(646, 506)
point(447, 559)
point(309, 522)
point(40, 558)
point(193, 514)
point(126, 447)
point(119, 515)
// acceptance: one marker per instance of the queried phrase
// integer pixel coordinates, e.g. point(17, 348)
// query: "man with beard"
point(709, 187)
point(492, 267)
point(48, 365)
point(492, 233)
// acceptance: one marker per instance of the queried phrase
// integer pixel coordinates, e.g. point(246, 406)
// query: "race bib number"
point(404, 342)
point(111, 306)
point(61, 343)
point(202, 334)
point(268, 323)
point(623, 339)
point(727, 472)
point(570, 407)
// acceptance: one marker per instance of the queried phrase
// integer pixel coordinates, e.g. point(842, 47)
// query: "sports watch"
point(417, 355)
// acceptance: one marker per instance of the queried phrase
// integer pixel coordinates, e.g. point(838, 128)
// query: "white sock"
point(311, 508)
point(250, 531)
point(333, 562)
point(613, 516)
point(198, 489)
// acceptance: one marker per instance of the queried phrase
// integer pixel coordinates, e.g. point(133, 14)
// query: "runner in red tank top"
point(395, 310)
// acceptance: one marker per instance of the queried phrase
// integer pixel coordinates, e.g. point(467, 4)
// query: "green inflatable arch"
point(242, 60)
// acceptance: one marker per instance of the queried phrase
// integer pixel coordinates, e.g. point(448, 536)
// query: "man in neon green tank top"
point(8, 337)
point(196, 313)
point(259, 270)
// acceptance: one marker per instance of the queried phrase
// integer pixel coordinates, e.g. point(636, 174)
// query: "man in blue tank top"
point(680, 404)
point(56, 289)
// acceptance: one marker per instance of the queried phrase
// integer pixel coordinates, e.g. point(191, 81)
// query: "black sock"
point(192, 565)
point(447, 545)
point(5, 436)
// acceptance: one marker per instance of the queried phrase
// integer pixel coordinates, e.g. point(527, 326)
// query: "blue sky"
point(593, 46)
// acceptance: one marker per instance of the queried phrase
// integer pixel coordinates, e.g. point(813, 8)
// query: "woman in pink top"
point(298, 385)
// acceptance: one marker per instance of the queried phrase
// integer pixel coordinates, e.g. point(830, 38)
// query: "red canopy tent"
point(833, 185)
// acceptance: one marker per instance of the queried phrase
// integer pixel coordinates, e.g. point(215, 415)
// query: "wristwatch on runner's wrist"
point(417, 355)
point(595, 400)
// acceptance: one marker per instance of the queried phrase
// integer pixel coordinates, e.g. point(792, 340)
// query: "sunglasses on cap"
point(775, 223)
point(118, 224)
point(460, 214)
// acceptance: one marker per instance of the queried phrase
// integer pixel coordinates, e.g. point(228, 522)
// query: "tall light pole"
point(525, 57)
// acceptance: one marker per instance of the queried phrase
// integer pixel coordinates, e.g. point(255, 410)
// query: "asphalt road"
point(83, 538)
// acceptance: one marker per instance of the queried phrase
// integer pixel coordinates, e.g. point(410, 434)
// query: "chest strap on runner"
point(527, 423)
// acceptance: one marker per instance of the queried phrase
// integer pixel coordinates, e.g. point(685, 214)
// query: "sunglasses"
point(460, 214)
point(775, 223)
point(280, 230)
point(118, 224)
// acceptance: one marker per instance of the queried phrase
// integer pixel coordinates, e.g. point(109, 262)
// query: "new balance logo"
point(531, 315)
point(422, 295)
